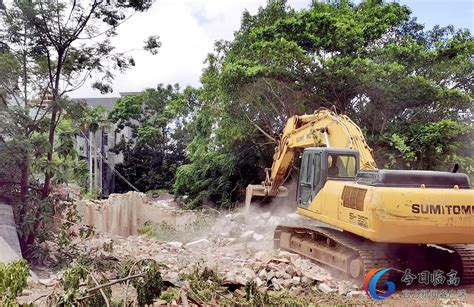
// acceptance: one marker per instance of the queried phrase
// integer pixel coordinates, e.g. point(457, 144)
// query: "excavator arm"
point(321, 129)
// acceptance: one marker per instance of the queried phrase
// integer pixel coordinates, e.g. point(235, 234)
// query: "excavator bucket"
point(261, 190)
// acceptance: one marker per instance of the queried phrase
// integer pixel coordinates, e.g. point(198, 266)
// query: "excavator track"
point(340, 250)
point(466, 255)
point(356, 256)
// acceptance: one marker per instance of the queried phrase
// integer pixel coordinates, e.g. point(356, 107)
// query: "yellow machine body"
point(394, 214)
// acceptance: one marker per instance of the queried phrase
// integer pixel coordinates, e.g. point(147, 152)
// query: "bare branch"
point(113, 282)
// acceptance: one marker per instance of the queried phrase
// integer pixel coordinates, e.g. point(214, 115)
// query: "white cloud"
point(187, 30)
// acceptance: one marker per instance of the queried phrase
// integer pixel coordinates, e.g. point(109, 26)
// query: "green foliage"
point(150, 286)
point(157, 119)
point(41, 63)
point(147, 229)
point(97, 299)
point(92, 195)
point(400, 83)
point(434, 146)
point(72, 277)
point(207, 178)
point(84, 281)
point(193, 229)
point(95, 118)
point(64, 237)
point(12, 281)
point(170, 294)
point(156, 192)
point(204, 283)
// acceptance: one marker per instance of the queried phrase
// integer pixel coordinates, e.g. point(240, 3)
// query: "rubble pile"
point(271, 270)
point(238, 247)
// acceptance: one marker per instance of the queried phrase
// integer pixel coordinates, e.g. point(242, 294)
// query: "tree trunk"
point(49, 175)
point(25, 174)
point(26, 239)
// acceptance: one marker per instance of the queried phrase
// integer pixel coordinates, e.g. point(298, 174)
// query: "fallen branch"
point(101, 291)
point(115, 281)
point(129, 274)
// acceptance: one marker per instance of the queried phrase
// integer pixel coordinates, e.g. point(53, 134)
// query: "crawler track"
point(466, 255)
point(356, 256)
point(345, 252)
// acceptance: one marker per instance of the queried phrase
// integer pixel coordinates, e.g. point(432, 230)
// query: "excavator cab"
point(319, 164)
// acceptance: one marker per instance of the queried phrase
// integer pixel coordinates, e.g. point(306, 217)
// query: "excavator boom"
point(323, 128)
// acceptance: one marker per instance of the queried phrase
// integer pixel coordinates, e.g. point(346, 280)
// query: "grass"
point(195, 229)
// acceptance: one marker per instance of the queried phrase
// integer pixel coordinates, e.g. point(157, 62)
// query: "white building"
point(106, 138)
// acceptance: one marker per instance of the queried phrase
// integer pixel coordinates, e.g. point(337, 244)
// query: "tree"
point(157, 118)
point(53, 48)
point(371, 61)
point(51, 33)
point(96, 118)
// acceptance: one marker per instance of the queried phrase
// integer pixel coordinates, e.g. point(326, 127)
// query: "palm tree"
point(96, 119)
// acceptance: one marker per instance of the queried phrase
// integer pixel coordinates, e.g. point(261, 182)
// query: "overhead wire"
point(110, 166)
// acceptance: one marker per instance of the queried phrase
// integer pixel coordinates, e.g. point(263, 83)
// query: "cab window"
point(341, 166)
point(310, 177)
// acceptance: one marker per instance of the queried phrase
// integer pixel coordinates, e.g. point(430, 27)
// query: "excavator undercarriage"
point(356, 256)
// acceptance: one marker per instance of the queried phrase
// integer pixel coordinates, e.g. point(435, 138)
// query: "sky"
point(189, 28)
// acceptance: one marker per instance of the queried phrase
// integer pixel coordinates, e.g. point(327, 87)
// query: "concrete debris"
point(246, 236)
point(241, 280)
point(26, 293)
point(343, 288)
point(225, 234)
point(273, 220)
point(259, 282)
point(317, 277)
point(326, 288)
point(240, 293)
point(283, 274)
point(355, 293)
point(293, 216)
point(248, 273)
point(198, 243)
point(230, 277)
point(290, 270)
point(263, 274)
point(296, 280)
point(263, 256)
point(52, 281)
point(306, 280)
point(270, 275)
point(175, 244)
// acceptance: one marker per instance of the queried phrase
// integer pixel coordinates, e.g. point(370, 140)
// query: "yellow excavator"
point(367, 217)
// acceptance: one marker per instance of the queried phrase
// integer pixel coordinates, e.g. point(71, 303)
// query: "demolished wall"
point(124, 214)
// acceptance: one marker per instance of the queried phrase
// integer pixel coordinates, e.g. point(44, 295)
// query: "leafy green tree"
point(50, 48)
point(432, 146)
point(157, 118)
point(49, 35)
point(95, 119)
point(370, 60)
